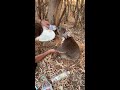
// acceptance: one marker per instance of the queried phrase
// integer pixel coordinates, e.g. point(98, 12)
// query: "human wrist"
point(50, 51)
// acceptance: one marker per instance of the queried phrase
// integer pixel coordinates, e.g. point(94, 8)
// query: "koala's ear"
point(58, 27)
point(65, 35)
point(69, 34)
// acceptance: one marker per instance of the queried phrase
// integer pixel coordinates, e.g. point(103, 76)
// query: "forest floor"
point(53, 65)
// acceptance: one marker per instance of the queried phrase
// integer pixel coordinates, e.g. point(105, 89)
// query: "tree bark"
point(52, 7)
point(59, 13)
point(39, 9)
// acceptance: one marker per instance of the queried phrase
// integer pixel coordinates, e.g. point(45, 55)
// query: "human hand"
point(54, 51)
point(45, 23)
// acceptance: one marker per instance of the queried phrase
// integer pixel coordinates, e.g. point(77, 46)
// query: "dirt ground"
point(53, 65)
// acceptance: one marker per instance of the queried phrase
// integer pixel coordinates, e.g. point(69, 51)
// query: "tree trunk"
point(39, 8)
point(59, 12)
point(52, 7)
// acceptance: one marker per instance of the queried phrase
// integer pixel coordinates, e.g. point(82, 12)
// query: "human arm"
point(42, 22)
point(43, 55)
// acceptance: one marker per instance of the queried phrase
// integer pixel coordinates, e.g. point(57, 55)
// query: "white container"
point(37, 86)
point(46, 35)
point(60, 76)
point(46, 84)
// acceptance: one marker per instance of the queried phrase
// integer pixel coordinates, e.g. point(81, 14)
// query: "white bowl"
point(47, 35)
